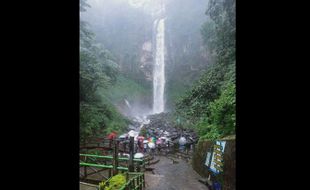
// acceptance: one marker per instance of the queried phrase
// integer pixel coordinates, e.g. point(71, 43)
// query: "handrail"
point(111, 157)
point(96, 165)
point(139, 178)
point(102, 166)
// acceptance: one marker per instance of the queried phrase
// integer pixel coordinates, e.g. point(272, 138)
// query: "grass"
point(124, 88)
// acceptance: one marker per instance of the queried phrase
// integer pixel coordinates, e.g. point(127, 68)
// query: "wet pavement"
point(87, 187)
point(169, 175)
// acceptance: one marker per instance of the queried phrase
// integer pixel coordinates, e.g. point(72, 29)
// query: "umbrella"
point(151, 145)
point(158, 141)
point(182, 141)
point(123, 136)
point(132, 133)
point(138, 155)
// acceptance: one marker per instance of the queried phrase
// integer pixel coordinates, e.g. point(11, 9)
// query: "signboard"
point(216, 165)
point(207, 163)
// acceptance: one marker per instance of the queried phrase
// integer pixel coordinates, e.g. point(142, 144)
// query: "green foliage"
point(91, 119)
point(210, 105)
point(222, 111)
point(186, 59)
point(123, 34)
point(143, 132)
point(98, 69)
point(114, 120)
point(221, 120)
point(219, 33)
point(209, 36)
point(97, 65)
point(115, 183)
point(125, 88)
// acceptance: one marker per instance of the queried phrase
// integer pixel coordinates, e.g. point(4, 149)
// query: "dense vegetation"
point(209, 107)
point(119, 91)
point(98, 70)
point(123, 29)
point(125, 34)
point(109, 77)
point(186, 58)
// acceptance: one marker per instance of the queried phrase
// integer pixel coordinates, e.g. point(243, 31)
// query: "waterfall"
point(128, 104)
point(159, 67)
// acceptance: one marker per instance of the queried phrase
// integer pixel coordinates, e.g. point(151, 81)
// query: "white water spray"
point(159, 67)
point(128, 104)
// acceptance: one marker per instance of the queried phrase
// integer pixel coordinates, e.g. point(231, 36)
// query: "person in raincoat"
point(111, 137)
point(158, 144)
point(140, 143)
point(145, 146)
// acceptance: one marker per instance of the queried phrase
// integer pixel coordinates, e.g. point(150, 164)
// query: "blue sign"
point(217, 161)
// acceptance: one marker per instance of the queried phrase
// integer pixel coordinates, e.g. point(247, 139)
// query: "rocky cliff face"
point(146, 60)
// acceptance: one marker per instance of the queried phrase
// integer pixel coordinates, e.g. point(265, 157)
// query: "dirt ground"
point(172, 176)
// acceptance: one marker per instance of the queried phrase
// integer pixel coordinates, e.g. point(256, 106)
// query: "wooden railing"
point(134, 181)
point(111, 163)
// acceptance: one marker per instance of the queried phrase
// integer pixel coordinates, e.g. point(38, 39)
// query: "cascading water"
point(128, 104)
point(159, 67)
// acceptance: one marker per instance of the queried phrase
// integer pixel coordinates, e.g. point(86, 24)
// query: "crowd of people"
point(153, 142)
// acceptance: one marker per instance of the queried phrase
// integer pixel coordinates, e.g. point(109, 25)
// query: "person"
point(187, 147)
point(111, 137)
point(158, 148)
point(158, 145)
point(145, 147)
point(139, 145)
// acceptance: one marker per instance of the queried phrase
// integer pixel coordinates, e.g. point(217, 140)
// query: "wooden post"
point(110, 143)
point(124, 146)
point(115, 158)
point(127, 179)
point(85, 169)
point(140, 182)
point(131, 150)
point(138, 167)
point(132, 184)
point(110, 173)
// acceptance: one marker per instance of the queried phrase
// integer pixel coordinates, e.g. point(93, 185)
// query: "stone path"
point(172, 176)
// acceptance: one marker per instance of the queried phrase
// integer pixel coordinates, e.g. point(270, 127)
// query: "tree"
point(210, 104)
point(98, 69)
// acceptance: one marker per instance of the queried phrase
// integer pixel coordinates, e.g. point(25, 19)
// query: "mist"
point(162, 72)
point(126, 29)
